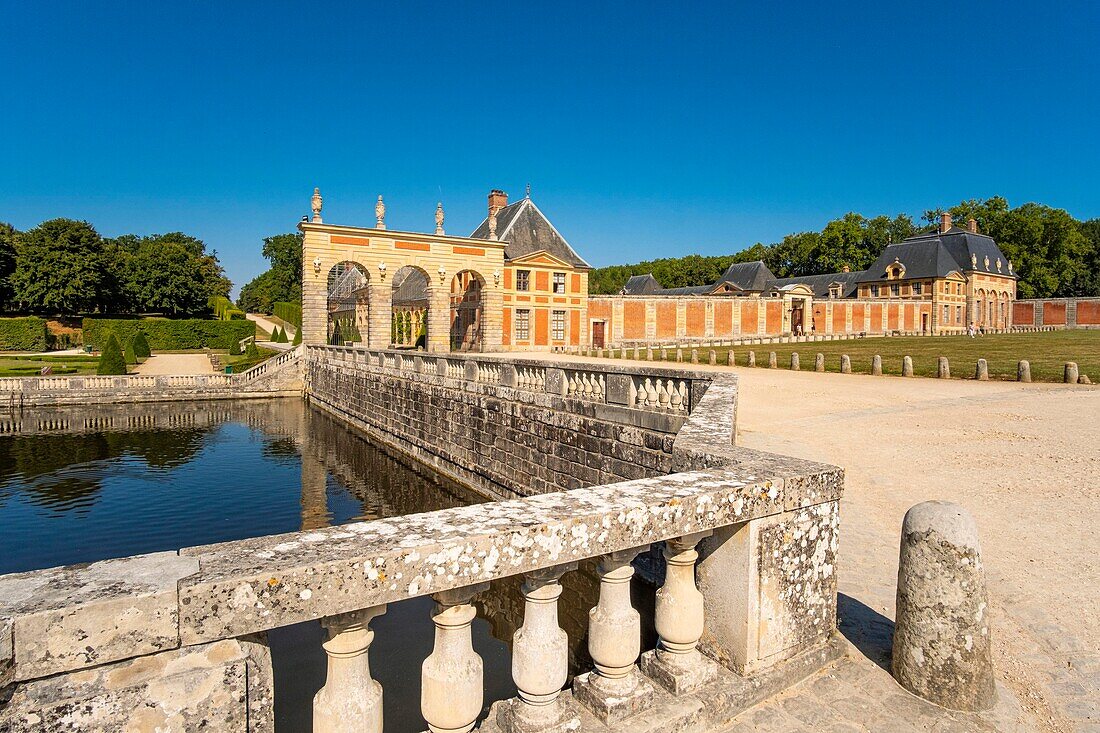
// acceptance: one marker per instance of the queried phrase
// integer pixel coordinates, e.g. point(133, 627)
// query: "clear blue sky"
point(644, 129)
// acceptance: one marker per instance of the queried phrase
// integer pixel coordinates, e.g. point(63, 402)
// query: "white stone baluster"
point(452, 688)
point(350, 701)
point(676, 664)
point(662, 394)
point(540, 657)
point(614, 690)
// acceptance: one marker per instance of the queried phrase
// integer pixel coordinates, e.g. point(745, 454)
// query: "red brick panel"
point(892, 316)
point(574, 283)
point(819, 318)
point(840, 317)
point(634, 319)
point(506, 337)
point(575, 327)
point(666, 319)
point(600, 310)
point(542, 327)
point(910, 317)
point(858, 313)
point(696, 321)
point(723, 319)
point(750, 315)
point(773, 318)
point(1088, 312)
point(876, 318)
point(542, 280)
point(1023, 314)
point(1054, 314)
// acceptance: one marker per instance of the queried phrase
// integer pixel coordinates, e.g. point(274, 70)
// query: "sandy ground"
point(269, 326)
point(1024, 459)
point(175, 364)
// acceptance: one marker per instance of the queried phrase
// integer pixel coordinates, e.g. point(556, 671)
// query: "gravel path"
point(175, 364)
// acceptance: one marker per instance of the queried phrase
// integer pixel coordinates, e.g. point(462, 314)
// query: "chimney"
point(845, 269)
point(945, 221)
point(497, 200)
point(972, 225)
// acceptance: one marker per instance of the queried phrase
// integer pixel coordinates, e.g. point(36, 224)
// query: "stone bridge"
point(633, 466)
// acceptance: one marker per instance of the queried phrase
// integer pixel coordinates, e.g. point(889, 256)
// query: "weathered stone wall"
point(506, 441)
point(1056, 313)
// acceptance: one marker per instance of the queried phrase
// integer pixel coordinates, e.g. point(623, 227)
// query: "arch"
point(979, 307)
point(466, 310)
point(347, 303)
point(410, 305)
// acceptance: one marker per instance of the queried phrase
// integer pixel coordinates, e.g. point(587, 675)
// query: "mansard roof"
point(747, 276)
point(938, 254)
point(526, 230)
point(641, 285)
point(820, 284)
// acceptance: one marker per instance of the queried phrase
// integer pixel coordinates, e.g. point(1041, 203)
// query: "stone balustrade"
point(745, 603)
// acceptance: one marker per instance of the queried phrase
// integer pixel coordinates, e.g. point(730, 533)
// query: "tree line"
point(283, 280)
point(1054, 254)
point(64, 266)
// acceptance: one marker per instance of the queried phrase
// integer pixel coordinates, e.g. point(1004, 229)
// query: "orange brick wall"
point(575, 327)
point(840, 315)
point(859, 312)
point(892, 316)
point(634, 319)
point(542, 280)
point(1054, 314)
point(750, 317)
point(599, 310)
point(666, 319)
point(696, 322)
point(542, 327)
point(506, 324)
point(723, 318)
point(773, 317)
point(1023, 314)
point(876, 318)
point(1088, 312)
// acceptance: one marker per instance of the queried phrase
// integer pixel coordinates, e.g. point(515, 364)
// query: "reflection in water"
point(85, 484)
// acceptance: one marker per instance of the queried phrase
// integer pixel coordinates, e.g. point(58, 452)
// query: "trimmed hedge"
point(169, 335)
point(23, 334)
point(224, 310)
point(289, 312)
point(111, 361)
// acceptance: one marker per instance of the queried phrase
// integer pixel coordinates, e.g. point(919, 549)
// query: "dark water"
point(79, 485)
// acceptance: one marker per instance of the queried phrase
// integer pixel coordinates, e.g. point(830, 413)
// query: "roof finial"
point(315, 203)
point(439, 218)
point(528, 190)
point(380, 213)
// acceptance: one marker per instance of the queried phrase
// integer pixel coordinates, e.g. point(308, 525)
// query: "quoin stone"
point(941, 637)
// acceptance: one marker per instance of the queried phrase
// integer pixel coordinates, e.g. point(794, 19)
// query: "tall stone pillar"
point(380, 318)
point(314, 293)
point(439, 318)
point(492, 317)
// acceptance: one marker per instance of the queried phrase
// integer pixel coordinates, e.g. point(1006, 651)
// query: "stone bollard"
point(695, 356)
point(819, 363)
point(845, 364)
point(981, 371)
point(713, 356)
point(795, 364)
point(664, 354)
point(1023, 371)
point(941, 637)
point(1071, 374)
point(752, 359)
point(637, 353)
point(773, 362)
point(679, 355)
point(943, 368)
point(649, 354)
point(729, 358)
point(1084, 379)
point(876, 365)
point(907, 366)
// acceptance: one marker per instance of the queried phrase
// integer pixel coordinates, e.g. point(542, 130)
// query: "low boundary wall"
point(1056, 313)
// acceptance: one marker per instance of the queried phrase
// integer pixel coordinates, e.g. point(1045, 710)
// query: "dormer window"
point(834, 291)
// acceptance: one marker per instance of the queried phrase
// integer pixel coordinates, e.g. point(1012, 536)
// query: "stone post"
point(439, 318)
point(452, 690)
point(637, 353)
point(796, 364)
point(845, 364)
point(752, 359)
point(540, 658)
point(380, 314)
point(614, 690)
point(695, 356)
point(907, 366)
point(876, 365)
point(730, 360)
point(679, 354)
point(943, 368)
point(773, 361)
point(1023, 371)
point(941, 638)
point(819, 363)
point(676, 664)
point(1071, 374)
point(713, 357)
point(981, 371)
point(350, 701)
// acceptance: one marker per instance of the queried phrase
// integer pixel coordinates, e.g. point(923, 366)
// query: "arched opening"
point(348, 304)
point(410, 303)
point(979, 309)
point(466, 287)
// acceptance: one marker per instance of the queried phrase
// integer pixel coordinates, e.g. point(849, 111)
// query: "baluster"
point(682, 388)
point(662, 395)
point(601, 387)
point(350, 701)
point(451, 691)
point(572, 389)
point(540, 657)
point(614, 690)
point(676, 664)
point(675, 400)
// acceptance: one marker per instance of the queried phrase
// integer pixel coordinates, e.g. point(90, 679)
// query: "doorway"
point(598, 334)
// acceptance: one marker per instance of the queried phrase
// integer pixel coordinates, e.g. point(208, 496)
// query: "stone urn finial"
point(439, 218)
point(316, 202)
point(493, 224)
point(380, 213)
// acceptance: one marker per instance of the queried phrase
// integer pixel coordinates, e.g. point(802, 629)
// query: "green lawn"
point(16, 365)
point(1048, 352)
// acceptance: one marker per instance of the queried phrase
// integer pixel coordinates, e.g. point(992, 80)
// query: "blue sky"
point(645, 129)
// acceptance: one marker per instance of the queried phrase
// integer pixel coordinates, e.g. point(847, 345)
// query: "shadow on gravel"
point(867, 629)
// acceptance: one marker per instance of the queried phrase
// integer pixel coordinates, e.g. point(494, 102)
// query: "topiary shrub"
point(111, 360)
point(252, 352)
point(128, 353)
point(279, 336)
point(298, 336)
point(141, 346)
point(234, 347)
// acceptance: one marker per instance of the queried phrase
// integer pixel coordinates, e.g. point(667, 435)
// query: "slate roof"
point(410, 286)
point(642, 285)
point(820, 284)
point(527, 230)
point(748, 276)
point(937, 255)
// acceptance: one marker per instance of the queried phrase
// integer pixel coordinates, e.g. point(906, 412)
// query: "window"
point(559, 282)
point(947, 314)
point(918, 288)
point(557, 322)
point(523, 324)
point(874, 291)
point(523, 280)
point(895, 289)
point(958, 314)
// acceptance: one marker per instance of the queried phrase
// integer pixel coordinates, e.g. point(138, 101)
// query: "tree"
point(59, 268)
point(252, 351)
point(8, 235)
point(128, 353)
point(111, 360)
point(234, 347)
point(298, 335)
point(168, 273)
point(282, 282)
point(141, 346)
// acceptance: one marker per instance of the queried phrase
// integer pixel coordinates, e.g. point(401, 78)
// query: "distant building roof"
point(821, 284)
point(747, 276)
point(527, 230)
point(641, 285)
point(937, 254)
point(410, 286)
